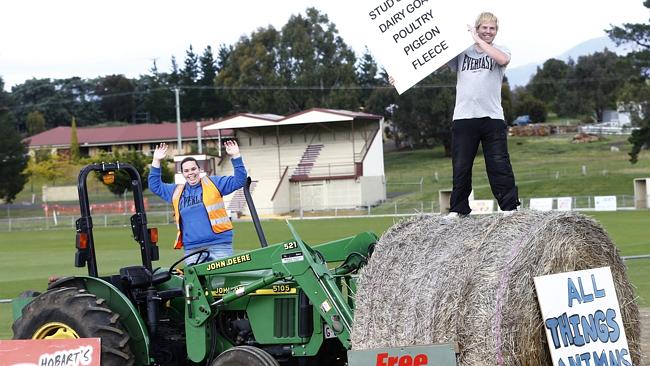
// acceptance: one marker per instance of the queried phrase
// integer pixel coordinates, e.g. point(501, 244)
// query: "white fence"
point(161, 215)
point(607, 129)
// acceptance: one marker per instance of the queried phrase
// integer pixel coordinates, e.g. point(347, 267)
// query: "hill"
point(520, 75)
point(543, 166)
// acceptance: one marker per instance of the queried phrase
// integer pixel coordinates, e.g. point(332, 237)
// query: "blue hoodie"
point(195, 223)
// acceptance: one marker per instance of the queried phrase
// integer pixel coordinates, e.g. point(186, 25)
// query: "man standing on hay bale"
point(478, 118)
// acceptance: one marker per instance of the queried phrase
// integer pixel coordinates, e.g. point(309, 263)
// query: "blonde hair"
point(486, 17)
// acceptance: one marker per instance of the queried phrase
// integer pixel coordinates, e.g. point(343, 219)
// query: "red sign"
point(383, 359)
point(51, 352)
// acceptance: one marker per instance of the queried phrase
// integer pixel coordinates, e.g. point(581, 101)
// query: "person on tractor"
point(202, 221)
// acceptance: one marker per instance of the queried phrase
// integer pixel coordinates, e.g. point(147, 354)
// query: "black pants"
point(465, 138)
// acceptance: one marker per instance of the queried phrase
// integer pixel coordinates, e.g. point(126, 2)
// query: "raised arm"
point(229, 184)
point(158, 154)
point(154, 181)
point(232, 149)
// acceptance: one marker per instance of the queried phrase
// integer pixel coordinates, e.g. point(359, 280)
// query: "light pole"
point(178, 122)
point(198, 136)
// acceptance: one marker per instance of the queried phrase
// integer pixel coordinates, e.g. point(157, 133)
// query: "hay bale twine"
point(470, 281)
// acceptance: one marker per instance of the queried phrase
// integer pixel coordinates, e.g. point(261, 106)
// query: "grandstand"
point(313, 160)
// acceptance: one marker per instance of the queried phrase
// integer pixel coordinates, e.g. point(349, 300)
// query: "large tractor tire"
point(68, 313)
point(244, 356)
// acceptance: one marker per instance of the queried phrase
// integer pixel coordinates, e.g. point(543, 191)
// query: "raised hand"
point(232, 148)
point(158, 154)
point(474, 34)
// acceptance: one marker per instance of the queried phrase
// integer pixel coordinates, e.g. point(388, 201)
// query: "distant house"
point(140, 137)
point(615, 122)
point(617, 118)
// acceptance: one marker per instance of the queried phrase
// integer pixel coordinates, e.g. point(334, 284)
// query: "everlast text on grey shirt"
point(478, 88)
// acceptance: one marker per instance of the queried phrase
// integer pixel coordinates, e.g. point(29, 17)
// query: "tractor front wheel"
point(68, 312)
point(244, 356)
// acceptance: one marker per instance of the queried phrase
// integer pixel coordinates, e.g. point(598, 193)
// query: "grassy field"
point(29, 258)
point(543, 167)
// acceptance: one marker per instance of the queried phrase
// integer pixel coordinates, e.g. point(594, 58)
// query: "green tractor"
point(287, 303)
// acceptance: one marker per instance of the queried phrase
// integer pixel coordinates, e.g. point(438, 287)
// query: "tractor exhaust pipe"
point(253, 211)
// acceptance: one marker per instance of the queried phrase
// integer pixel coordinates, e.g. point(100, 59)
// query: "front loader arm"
point(291, 261)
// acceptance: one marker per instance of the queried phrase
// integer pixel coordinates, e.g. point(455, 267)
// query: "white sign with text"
point(582, 318)
point(413, 38)
point(481, 206)
point(605, 203)
point(541, 204)
point(564, 203)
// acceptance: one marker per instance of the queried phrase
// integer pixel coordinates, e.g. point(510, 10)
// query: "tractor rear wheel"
point(68, 313)
point(244, 356)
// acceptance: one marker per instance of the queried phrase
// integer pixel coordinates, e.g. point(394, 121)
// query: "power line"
point(170, 89)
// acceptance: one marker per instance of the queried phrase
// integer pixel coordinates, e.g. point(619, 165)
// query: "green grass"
point(543, 167)
point(30, 257)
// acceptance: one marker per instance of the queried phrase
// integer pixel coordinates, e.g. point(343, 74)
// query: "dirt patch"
point(644, 317)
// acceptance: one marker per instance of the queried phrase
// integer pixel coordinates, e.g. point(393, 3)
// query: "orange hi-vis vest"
point(213, 203)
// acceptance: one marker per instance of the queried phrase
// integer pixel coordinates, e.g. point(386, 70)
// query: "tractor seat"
point(135, 276)
point(140, 277)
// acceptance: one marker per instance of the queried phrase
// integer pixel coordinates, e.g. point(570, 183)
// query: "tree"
point(568, 104)
point(599, 78)
point(4, 96)
point(549, 84)
point(213, 103)
point(526, 104)
point(506, 102)
point(313, 56)
point(222, 56)
point(79, 99)
point(35, 123)
point(636, 96)
point(116, 92)
point(122, 179)
point(425, 111)
point(74, 142)
point(251, 65)
point(57, 101)
point(40, 94)
point(632, 32)
point(305, 65)
point(159, 98)
point(191, 95)
point(47, 167)
point(174, 77)
point(639, 139)
point(383, 101)
point(13, 159)
point(367, 74)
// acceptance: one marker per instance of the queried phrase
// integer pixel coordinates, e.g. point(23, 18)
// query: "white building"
point(317, 159)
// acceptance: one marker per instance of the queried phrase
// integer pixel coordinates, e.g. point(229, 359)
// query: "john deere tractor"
point(287, 303)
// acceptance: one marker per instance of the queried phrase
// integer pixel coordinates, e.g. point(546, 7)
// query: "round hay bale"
point(470, 281)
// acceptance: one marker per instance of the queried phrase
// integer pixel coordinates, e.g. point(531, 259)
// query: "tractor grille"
point(285, 318)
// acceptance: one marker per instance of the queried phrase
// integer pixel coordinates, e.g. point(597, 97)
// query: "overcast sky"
point(86, 38)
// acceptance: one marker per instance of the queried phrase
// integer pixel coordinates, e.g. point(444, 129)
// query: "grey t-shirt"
point(478, 86)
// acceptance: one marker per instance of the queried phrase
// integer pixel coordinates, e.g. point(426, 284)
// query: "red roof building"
point(140, 137)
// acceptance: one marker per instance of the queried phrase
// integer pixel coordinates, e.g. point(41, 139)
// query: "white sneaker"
point(508, 213)
point(452, 217)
